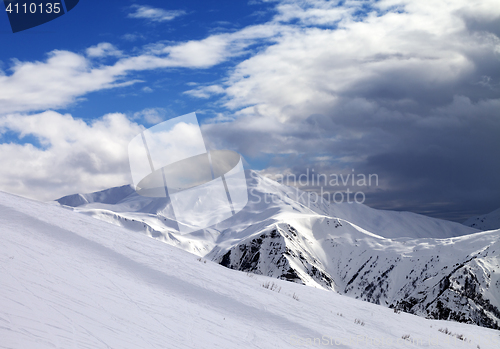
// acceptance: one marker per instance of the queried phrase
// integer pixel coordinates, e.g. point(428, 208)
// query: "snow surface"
point(488, 221)
point(70, 281)
point(425, 266)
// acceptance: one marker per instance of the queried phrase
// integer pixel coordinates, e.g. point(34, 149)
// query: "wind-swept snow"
point(70, 281)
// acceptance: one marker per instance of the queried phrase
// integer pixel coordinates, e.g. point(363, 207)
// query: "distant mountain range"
point(488, 221)
point(409, 262)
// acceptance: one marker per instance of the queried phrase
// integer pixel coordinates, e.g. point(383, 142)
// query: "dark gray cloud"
point(412, 96)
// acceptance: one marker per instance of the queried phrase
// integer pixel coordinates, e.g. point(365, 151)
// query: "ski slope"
point(70, 281)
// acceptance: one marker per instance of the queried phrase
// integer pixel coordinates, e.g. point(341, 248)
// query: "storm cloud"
point(410, 91)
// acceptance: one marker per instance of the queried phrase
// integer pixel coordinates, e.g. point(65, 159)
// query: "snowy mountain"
point(425, 266)
point(488, 221)
point(71, 281)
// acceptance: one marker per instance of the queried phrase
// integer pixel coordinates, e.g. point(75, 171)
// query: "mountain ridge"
point(418, 264)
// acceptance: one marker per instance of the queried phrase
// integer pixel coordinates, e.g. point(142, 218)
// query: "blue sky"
point(112, 22)
point(409, 90)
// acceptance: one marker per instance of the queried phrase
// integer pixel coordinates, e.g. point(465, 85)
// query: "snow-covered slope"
point(488, 221)
point(425, 266)
point(70, 281)
point(454, 278)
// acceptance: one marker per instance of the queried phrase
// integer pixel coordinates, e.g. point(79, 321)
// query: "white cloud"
point(316, 12)
point(103, 49)
point(66, 76)
point(220, 117)
point(427, 46)
point(218, 48)
point(74, 157)
point(151, 115)
point(55, 83)
point(205, 91)
point(133, 37)
point(154, 14)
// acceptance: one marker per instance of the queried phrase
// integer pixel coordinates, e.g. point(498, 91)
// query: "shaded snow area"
point(71, 281)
